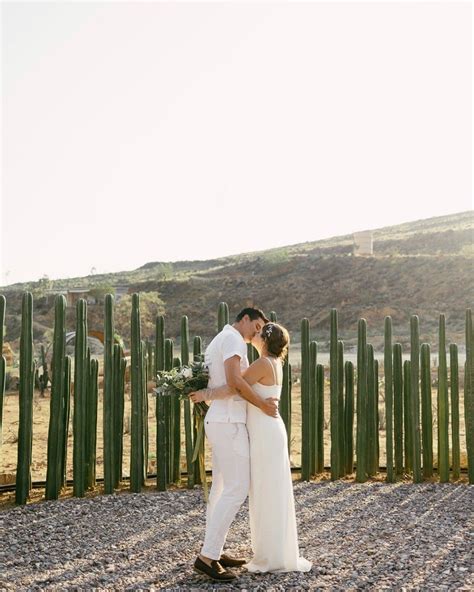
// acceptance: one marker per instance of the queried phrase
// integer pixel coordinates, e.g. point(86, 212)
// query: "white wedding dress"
point(271, 502)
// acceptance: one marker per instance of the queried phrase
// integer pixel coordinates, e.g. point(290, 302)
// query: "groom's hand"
point(270, 407)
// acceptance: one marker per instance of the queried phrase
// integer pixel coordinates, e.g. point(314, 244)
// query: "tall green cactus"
point(91, 419)
point(305, 402)
point(145, 444)
point(119, 370)
point(334, 398)
point(197, 357)
point(340, 408)
point(349, 418)
point(469, 395)
point(44, 378)
point(426, 411)
point(313, 354)
point(372, 409)
point(66, 417)
point(136, 451)
point(415, 397)
point(398, 408)
point(222, 316)
point(361, 439)
point(320, 418)
point(454, 372)
point(285, 400)
point(377, 420)
point(80, 400)
point(160, 344)
point(161, 411)
point(150, 356)
point(56, 413)
point(168, 416)
point(187, 405)
point(109, 397)
point(407, 416)
point(388, 375)
point(443, 410)
point(25, 428)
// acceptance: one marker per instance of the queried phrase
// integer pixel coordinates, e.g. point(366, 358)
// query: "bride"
point(271, 502)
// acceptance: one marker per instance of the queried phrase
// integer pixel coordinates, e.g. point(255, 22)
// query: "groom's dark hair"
point(253, 313)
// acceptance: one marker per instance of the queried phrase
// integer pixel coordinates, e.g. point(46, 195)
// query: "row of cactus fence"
point(354, 404)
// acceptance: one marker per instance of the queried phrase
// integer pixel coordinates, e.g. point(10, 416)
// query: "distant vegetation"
point(423, 267)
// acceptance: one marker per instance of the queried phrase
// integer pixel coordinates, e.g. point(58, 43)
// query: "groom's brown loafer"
point(214, 571)
point(228, 561)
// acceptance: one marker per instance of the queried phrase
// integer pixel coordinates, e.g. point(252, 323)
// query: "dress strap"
point(275, 378)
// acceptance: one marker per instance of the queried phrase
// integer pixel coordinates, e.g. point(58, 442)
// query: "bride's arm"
point(252, 375)
point(210, 394)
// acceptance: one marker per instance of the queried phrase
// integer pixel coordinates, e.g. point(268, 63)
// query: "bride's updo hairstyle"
point(276, 339)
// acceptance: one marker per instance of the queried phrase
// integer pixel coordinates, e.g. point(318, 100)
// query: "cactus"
point(176, 433)
point(415, 397)
point(340, 408)
point(361, 439)
point(443, 411)
point(456, 449)
point(168, 427)
point(407, 417)
point(197, 356)
point(313, 354)
point(387, 364)
point(469, 395)
point(285, 400)
point(334, 398)
point(349, 418)
point(161, 411)
point(136, 450)
point(372, 405)
point(273, 316)
point(109, 397)
point(56, 414)
point(174, 419)
point(320, 418)
point(144, 362)
point(150, 356)
point(66, 416)
point(426, 411)
point(398, 408)
point(160, 344)
point(252, 353)
point(305, 401)
point(92, 396)
point(80, 394)
point(119, 369)
point(25, 428)
point(44, 378)
point(187, 404)
point(377, 427)
point(222, 316)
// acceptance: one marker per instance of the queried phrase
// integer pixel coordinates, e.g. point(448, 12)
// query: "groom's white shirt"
point(229, 342)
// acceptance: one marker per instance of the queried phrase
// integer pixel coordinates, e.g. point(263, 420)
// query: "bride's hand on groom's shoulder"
point(270, 407)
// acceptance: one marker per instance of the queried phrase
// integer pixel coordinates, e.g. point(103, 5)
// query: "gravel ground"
point(358, 536)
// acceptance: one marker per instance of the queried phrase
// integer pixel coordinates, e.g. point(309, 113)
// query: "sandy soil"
point(8, 450)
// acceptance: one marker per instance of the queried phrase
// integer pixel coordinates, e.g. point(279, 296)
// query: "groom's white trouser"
point(230, 482)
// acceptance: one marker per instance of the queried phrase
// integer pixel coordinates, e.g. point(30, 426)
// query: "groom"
point(226, 357)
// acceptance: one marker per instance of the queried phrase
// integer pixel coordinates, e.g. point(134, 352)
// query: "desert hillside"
point(423, 267)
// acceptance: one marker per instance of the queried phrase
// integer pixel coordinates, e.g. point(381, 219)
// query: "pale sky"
point(147, 131)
